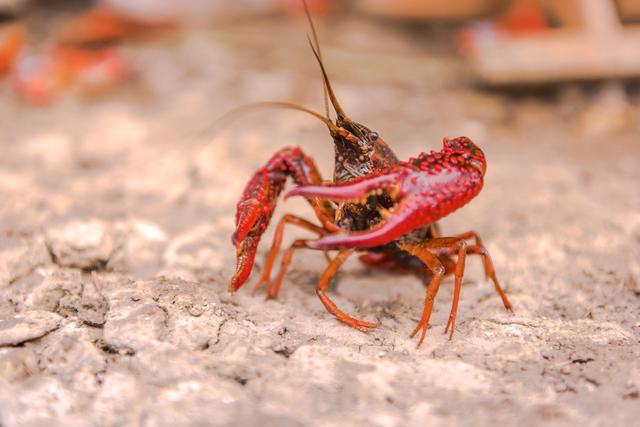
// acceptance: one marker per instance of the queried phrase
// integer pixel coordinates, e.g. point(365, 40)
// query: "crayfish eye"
point(374, 136)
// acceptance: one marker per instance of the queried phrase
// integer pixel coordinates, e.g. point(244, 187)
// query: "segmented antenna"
point(317, 44)
point(329, 90)
point(336, 105)
point(279, 104)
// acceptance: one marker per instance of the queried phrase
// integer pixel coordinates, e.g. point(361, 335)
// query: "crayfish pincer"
point(376, 204)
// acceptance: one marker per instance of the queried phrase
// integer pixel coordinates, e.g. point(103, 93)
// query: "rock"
point(27, 326)
point(16, 364)
point(121, 399)
point(41, 400)
point(217, 401)
point(202, 251)
point(59, 292)
point(138, 246)
point(194, 311)
point(92, 305)
point(69, 354)
point(80, 244)
point(20, 256)
point(134, 325)
point(66, 293)
point(161, 313)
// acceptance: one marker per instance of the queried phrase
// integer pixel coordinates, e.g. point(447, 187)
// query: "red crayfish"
point(376, 203)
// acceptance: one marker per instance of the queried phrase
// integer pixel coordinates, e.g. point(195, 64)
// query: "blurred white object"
point(192, 10)
point(594, 45)
point(11, 5)
point(428, 10)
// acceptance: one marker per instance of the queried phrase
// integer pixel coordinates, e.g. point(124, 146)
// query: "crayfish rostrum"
point(376, 204)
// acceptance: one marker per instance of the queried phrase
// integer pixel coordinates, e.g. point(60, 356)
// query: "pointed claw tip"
point(232, 288)
point(235, 283)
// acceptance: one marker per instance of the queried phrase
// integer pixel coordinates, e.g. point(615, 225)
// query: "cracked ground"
point(115, 249)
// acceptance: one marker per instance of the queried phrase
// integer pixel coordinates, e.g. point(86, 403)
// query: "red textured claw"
point(246, 253)
point(404, 219)
point(255, 208)
point(249, 213)
point(426, 189)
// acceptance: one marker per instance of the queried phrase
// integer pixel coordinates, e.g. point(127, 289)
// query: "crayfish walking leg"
point(424, 251)
point(323, 285)
point(431, 252)
point(489, 270)
point(265, 278)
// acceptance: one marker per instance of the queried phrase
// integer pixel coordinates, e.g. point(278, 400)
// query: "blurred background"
point(114, 160)
point(532, 73)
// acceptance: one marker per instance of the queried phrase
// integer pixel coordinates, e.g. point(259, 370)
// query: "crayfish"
point(376, 204)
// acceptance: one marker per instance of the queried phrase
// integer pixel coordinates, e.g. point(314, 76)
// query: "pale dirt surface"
point(126, 185)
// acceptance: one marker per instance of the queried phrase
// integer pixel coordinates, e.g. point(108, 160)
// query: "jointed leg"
point(472, 235)
point(440, 246)
point(265, 278)
point(489, 270)
point(433, 263)
point(323, 285)
point(458, 246)
point(274, 287)
point(454, 245)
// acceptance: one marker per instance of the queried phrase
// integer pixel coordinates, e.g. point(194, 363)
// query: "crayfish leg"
point(489, 270)
point(265, 278)
point(274, 288)
point(439, 249)
point(323, 285)
point(432, 262)
point(459, 247)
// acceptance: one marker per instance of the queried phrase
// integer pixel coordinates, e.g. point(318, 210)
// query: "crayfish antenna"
point(278, 104)
point(316, 52)
point(317, 44)
point(334, 101)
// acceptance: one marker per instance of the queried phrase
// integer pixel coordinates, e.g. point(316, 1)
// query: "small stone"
point(138, 246)
point(92, 306)
point(19, 257)
point(202, 251)
point(131, 328)
point(17, 363)
point(80, 244)
point(27, 326)
point(58, 292)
